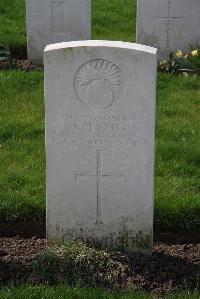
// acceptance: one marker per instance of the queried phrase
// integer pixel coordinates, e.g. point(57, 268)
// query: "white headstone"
point(100, 127)
point(55, 21)
point(168, 25)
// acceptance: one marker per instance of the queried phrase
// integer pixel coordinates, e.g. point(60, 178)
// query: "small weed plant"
point(74, 262)
point(5, 54)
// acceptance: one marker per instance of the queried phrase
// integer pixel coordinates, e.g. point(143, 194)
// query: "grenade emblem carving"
point(99, 84)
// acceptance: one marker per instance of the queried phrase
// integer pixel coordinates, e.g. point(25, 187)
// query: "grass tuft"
point(75, 263)
point(66, 292)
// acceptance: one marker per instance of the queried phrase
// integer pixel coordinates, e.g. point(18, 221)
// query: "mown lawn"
point(177, 181)
point(64, 292)
point(22, 183)
point(22, 160)
point(12, 25)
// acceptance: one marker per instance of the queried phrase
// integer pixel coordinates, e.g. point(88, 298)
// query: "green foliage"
point(177, 180)
point(12, 20)
point(22, 175)
point(194, 61)
point(169, 65)
point(114, 19)
point(66, 292)
point(5, 54)
point(184, 295)
point(188, 62)
point(76, 263)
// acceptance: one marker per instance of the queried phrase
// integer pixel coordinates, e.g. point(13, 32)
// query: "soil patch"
point(22, 65)
point(23, 229)
point(19, 52)
point(169, 268)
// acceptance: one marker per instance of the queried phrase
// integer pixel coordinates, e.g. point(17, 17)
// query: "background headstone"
point(54, 21)
point(168, 25)
point(100, 127)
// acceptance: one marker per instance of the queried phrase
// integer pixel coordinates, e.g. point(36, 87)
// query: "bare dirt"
point(22, 65)
point(169, 269)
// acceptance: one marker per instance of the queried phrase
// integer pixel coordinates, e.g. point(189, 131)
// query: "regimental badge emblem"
point(99, 84)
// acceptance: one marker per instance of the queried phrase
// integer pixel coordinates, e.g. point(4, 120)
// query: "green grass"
point(22, 175)
point(177, 182)
point(64, 292)
point(111, 19)
point(22, 146)
point(13, 24)
point(114, 19)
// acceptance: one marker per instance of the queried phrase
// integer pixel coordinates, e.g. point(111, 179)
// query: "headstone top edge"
point(101, 43)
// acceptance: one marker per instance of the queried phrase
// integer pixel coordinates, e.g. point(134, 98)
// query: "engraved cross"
point(168, 18)
point(99, 177)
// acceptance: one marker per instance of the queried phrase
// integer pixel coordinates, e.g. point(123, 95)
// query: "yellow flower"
point(179, 54)
point(195, 53)
point(186, 56)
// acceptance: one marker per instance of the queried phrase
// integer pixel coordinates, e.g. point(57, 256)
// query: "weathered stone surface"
point(54, 21)
point(100, 126)
point(168, 25)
